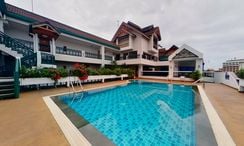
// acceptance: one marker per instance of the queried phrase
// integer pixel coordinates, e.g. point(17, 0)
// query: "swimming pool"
point(143, 113)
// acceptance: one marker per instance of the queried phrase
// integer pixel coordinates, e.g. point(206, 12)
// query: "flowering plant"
point(55, 75)
point(80, 71)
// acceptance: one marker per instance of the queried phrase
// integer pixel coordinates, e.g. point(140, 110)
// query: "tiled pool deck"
point(28, 121)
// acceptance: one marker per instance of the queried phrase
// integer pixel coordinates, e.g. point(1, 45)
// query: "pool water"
point(140, 113)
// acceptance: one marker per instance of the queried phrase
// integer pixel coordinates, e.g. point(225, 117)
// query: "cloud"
point(213, 27)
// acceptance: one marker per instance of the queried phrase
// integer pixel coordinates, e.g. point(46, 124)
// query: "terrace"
point(36, 124)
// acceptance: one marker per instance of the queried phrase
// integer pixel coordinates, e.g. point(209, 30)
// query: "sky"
point(213, 27)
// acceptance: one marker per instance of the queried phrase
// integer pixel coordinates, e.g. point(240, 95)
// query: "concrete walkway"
point(229, 104)
point(28, 121)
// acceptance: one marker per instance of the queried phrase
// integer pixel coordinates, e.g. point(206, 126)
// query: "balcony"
point(67, 51)
point(72, 55)
point(92, 55)
point(107, 57)
point(47, 58)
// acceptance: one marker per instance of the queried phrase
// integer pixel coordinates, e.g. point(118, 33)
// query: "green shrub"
point(105, 71)
point(130, 72)
point(63, 72)
point(92, 71)
point(195, 75)
point(240, 73)
point(118, 71)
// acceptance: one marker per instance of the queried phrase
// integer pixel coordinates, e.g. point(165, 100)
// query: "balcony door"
point(44, 44)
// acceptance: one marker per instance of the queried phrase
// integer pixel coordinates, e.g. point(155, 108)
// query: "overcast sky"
point(214, 27)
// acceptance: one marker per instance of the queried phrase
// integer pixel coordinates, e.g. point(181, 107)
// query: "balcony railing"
point(155, 73)
point(67, 51)
point(182, 73)
point(47, 58)
point(108, 57)
point(80, 53)
point(92, 55)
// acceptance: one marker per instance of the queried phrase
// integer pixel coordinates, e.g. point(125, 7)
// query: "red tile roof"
point(130, 26)
point(21, 14)
point(171, 50)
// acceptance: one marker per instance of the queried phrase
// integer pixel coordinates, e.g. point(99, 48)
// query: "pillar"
point(102, 51)
point(140, 70)
point(36, 49)
point(36, 42)
point(171, 70)
point(199, 65)
point(53, 46)
point(130, 41)
point(1, 25)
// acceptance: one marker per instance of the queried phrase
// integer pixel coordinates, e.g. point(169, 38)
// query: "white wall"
point(18, 31)
point(60, 42)
point(219, 77)
point(241, 65)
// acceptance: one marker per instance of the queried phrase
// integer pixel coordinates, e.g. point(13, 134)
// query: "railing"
point(47, 58)
point(15, 45)
point(107, 57)
point(152, 58)
point(68, 51)
point(26, 43)
point(92, 55)
point(155, 73)
point(29, 58)
point(163, 58)
point(29, 61)
point(182, 73)
point(16, 79)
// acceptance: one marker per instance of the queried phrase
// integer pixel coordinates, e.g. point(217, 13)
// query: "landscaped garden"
point(78, 72)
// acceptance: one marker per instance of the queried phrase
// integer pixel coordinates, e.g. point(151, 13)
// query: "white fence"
point(227, 78)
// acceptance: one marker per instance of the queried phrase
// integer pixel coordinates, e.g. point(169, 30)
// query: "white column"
point(39, 59)
point(36, 49)
point(102, 52)
point(199, 65)
point(53, 46)
point(140, 69)
point(35, 42)
point(171, 70)
point(1, 25)
point(130, 41)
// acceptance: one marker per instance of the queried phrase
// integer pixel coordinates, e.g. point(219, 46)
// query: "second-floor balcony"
point(81, 56)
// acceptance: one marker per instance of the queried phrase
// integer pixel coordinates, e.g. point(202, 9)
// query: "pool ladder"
point(76, 92)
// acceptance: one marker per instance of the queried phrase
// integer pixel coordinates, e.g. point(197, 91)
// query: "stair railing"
point(29, 57)
point(15, 45)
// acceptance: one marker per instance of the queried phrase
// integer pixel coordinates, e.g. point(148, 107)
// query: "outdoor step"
point(6, 86)
point(6, 81)
point(5, 91)
point(7, 95)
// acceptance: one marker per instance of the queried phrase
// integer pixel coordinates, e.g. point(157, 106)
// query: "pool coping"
point(75, 137)
point(222, 135)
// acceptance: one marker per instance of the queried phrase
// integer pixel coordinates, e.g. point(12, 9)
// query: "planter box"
point(35, 81)
point(67, 80)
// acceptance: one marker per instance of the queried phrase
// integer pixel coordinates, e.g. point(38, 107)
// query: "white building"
point(42, 42)
point(233, 65)
point(139, 49)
